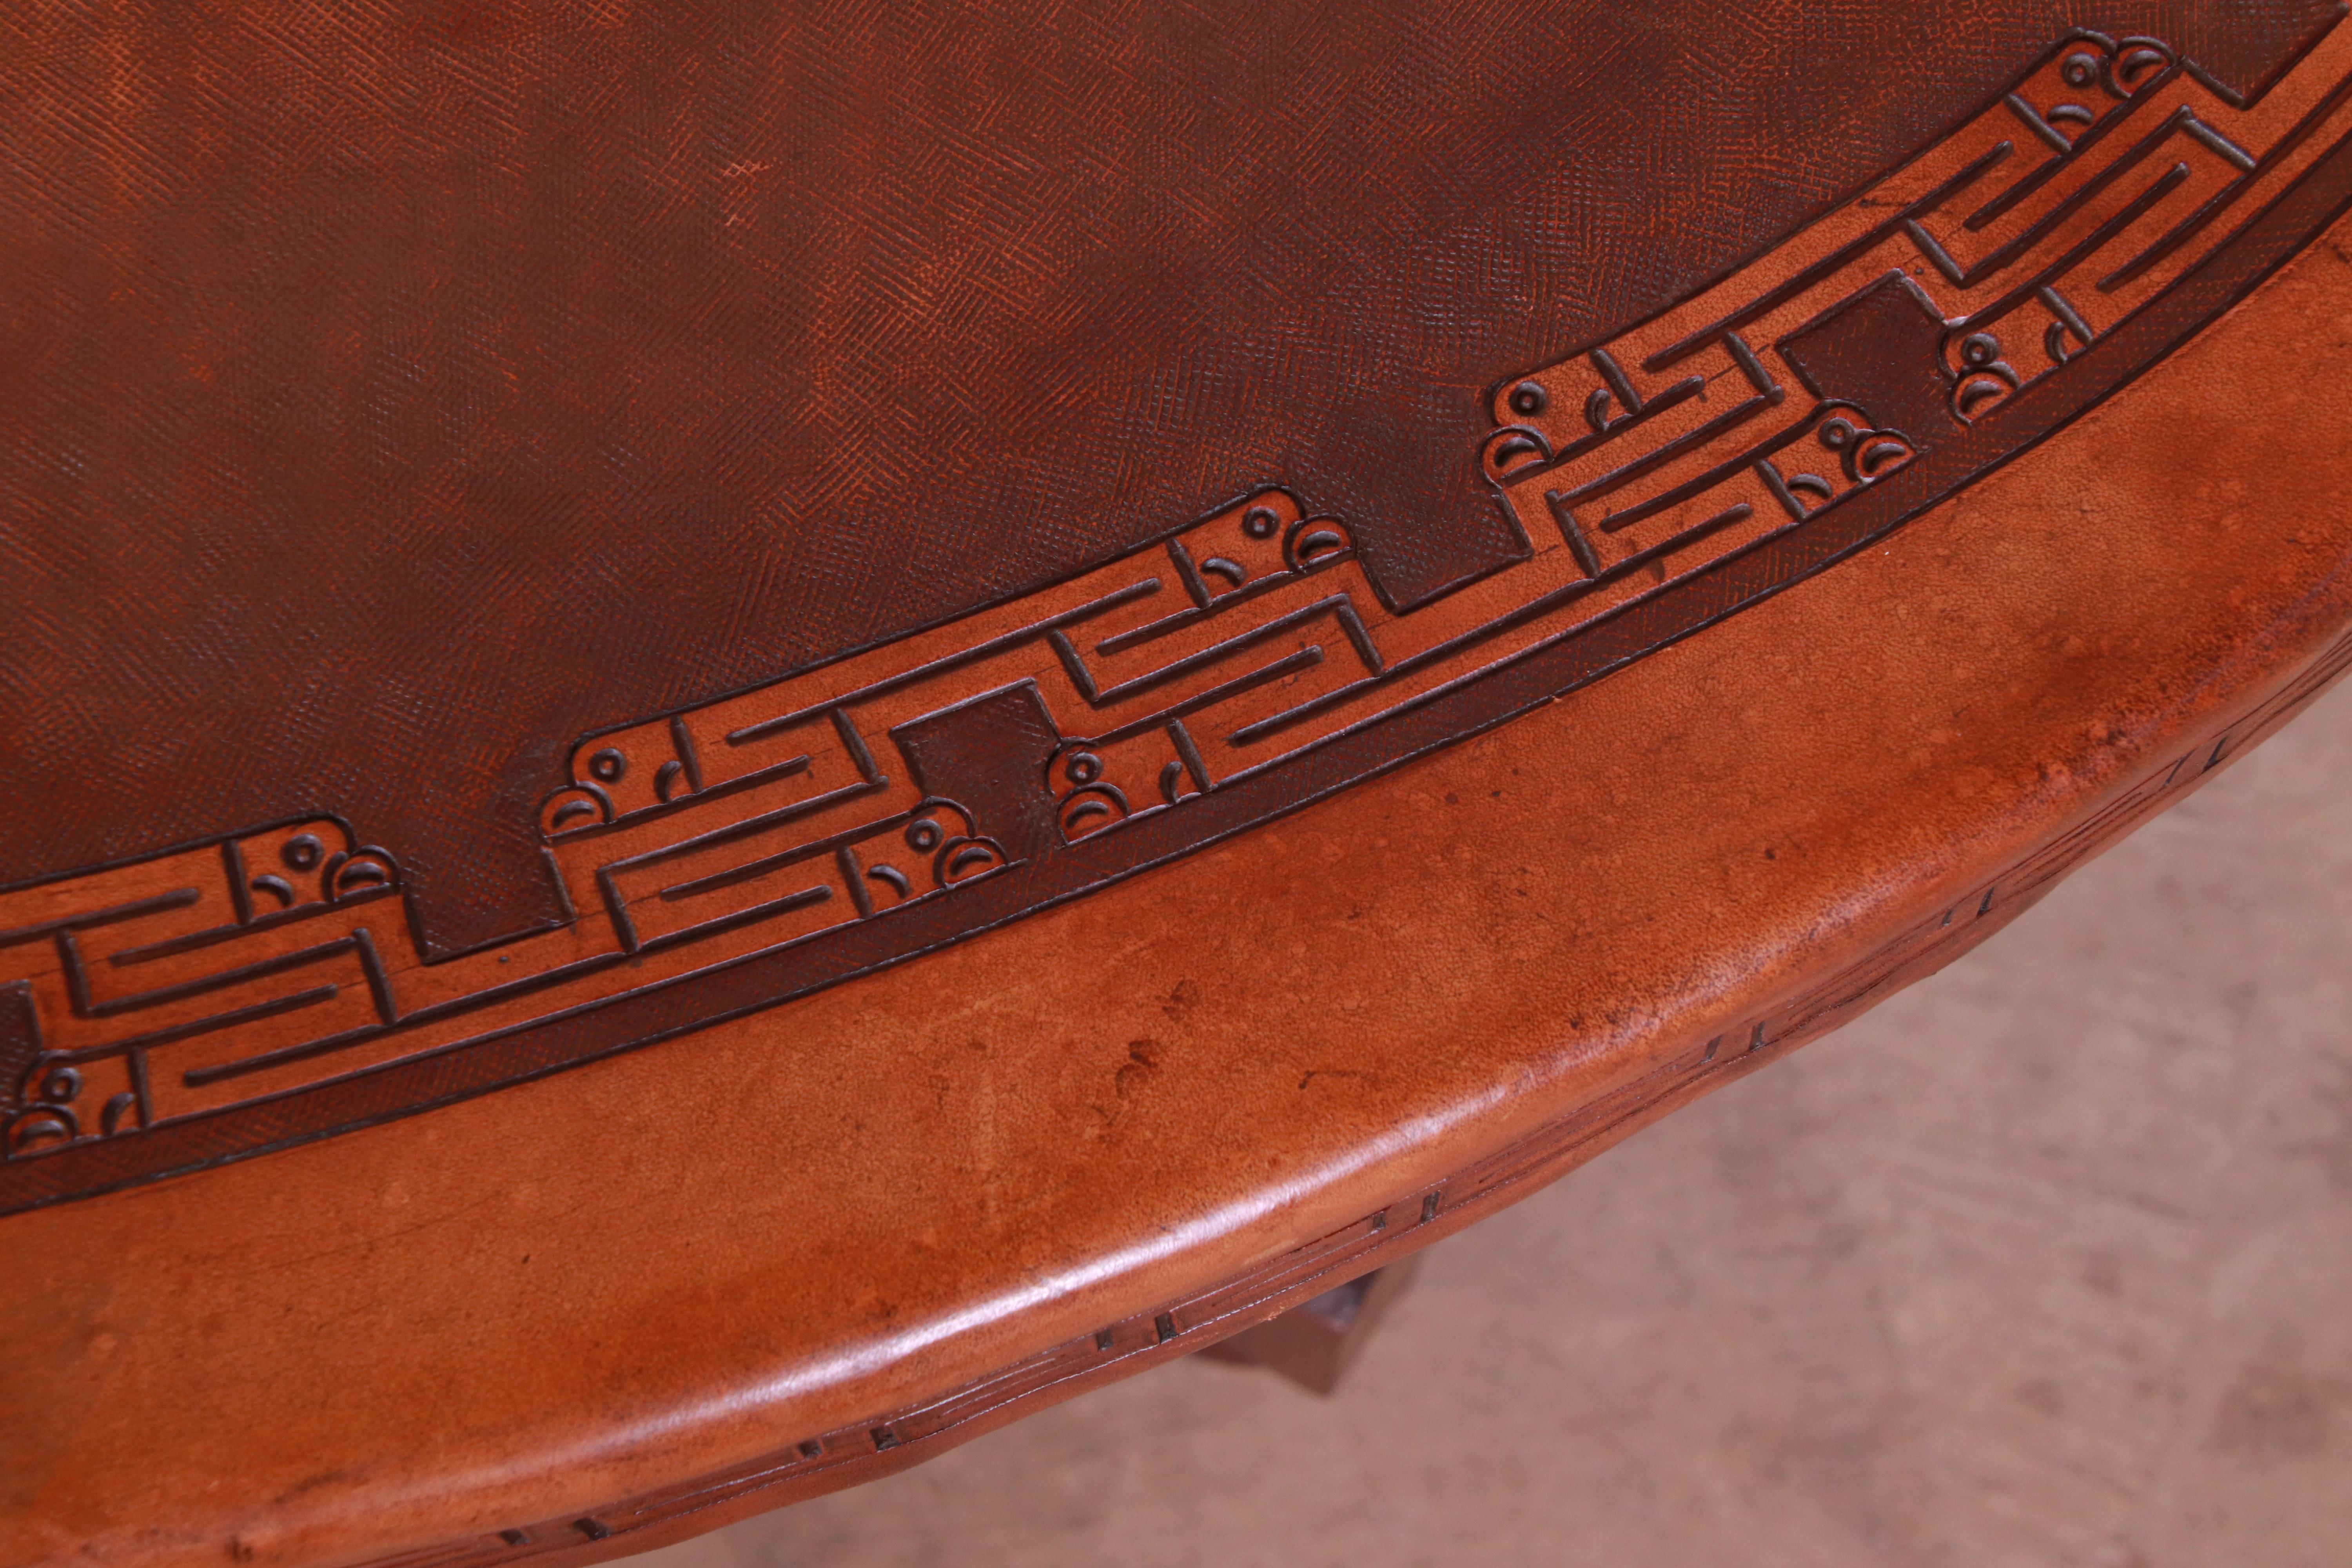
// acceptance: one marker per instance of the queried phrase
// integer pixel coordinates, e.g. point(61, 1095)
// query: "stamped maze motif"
point(233, 996)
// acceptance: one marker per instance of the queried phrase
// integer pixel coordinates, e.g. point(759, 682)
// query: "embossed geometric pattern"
point(393, 393)
point(265, 987)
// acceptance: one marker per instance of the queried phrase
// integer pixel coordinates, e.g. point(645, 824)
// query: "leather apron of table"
point(737, 738)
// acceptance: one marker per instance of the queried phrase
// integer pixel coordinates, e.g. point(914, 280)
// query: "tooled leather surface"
point(614, 1280)
point(389, 396)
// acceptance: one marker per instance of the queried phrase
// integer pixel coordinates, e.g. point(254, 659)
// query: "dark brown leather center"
point(388, 398)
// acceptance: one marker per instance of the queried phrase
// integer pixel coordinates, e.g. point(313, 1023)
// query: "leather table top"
point(739, 738)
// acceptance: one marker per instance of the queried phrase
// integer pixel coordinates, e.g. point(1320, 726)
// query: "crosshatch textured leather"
point(395, 395)
point(1449, 580)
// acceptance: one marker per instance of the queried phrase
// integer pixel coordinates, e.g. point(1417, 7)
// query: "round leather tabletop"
point(740, 738)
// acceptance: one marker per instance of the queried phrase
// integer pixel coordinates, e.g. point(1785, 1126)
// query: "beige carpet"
point(2047, 1261)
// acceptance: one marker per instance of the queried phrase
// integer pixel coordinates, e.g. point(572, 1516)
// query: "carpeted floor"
point(2047, 1261)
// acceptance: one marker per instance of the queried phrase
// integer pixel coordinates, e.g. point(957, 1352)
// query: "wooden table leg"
point(1314, 1344)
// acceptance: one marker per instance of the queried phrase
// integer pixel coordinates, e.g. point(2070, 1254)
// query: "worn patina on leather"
point(541, 537)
